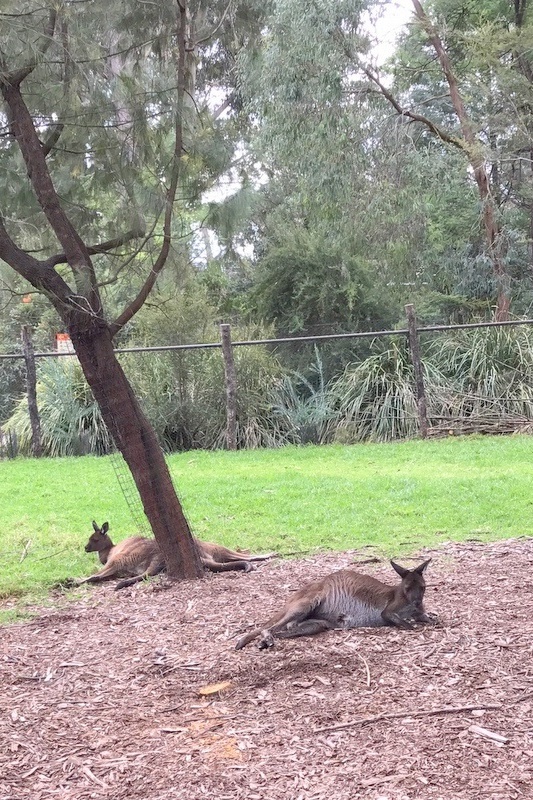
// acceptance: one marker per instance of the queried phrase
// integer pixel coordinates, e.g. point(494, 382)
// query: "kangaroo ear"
point(402, 572)
point(105, 527)
point(420, 569)
point(96, 528)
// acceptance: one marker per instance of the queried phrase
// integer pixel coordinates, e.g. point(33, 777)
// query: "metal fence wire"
point(417, 381)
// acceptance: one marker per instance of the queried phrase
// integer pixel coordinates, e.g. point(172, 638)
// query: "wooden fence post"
point(231, 387)
point(414, 347)
point(31, 390)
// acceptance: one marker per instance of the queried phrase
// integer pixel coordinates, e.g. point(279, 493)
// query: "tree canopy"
point(256, 161)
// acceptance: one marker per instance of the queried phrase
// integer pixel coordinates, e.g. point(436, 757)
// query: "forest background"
point(321, 189)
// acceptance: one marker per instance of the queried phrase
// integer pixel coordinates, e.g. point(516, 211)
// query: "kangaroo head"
point(413, 584)
point(99, 540)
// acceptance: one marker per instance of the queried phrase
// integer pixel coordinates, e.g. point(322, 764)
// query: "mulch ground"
point(101, 697)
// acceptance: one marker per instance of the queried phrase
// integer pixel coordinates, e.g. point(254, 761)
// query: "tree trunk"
point(81, 311)
point(136, 440)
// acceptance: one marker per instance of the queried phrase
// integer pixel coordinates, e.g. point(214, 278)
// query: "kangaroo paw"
point(266, 641)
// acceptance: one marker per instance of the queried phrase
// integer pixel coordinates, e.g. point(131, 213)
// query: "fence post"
point(231, 387)
point(414, 347)
point(31, 389)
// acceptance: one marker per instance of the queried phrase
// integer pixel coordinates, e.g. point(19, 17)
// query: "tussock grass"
point(395, 496)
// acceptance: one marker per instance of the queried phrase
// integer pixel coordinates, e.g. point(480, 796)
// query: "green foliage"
point(306, 283)
point(486, 372)
point(183, 393)
point(71, 422)
point(468, 377)
point(188, 408)
point(376, 399)
point(306, 405)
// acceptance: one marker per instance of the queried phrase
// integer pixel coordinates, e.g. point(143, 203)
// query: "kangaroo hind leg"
point(105, 574)
point(308, 627)
point(226, 566)
point(295, 614)
point(154, 568)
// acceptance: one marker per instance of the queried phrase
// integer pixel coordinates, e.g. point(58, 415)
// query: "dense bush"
point(71, 422)
point(183, 395)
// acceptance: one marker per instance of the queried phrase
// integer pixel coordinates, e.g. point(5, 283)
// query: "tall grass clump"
point(376, 399)
point(305, 405)
point(71, 422)
point(183, 394)
point(488, 373)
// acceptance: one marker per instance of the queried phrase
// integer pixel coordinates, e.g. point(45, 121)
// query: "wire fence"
point(477, 378)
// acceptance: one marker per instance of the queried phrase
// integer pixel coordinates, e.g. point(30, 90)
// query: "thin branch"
point(442, 134)
point(15, 78)
point(402, 714)
point(449, 74)
point(175, 174)
point(404, 112)
point(57, 129)
point(215, 29)
point(222, 107)
point(25, 551)
point(104, 247)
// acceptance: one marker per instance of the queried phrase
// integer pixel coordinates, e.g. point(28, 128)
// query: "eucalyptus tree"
point(461, 101)
point(349, 219)
point(466, 74)
point(314, 270)
point(103, 138)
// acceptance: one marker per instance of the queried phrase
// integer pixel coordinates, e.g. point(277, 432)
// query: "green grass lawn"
point(394, 496)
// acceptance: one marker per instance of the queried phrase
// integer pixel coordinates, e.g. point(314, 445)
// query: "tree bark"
point(136, 440)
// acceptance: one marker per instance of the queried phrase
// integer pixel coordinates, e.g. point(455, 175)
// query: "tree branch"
point(32, 152)
point(175, 174)
point(103, 247)
point(439, 132)
point(449, 74)
point(215, 29)
point(38, 273)
point(15, 78)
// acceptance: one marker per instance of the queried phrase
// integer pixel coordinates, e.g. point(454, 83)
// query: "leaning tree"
point(98, 116)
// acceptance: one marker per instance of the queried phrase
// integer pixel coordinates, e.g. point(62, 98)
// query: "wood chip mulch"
point(115, 695)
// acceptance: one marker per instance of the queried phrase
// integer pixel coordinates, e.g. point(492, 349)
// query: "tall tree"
point(461, 101)
point(47, 53)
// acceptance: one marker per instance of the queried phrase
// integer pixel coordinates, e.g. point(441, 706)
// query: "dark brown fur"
point(137, 558)
point(347, 599)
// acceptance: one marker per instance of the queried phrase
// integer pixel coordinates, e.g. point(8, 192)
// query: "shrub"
point(71, 423)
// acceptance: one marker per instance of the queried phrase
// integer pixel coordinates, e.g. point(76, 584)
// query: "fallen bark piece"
point(488, 734)
point(213, 688)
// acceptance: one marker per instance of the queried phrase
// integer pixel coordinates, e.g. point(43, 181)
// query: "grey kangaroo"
point(137, 558)
point(347, 599)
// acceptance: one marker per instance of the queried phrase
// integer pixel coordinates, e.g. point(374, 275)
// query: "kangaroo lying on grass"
point(137, 558)
point(347, 599)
